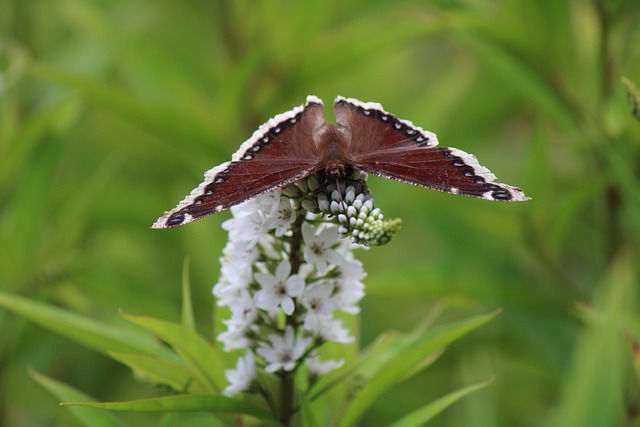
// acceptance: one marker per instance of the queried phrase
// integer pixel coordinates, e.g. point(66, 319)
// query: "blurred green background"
point(110, 112)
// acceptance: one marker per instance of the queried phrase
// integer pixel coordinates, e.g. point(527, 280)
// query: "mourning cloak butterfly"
point(298, 143)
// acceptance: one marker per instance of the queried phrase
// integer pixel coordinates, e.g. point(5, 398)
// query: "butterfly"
point(293, 145)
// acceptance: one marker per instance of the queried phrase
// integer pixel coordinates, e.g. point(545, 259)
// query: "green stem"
point(287, 384)
point(295, 255)
point(287, 377)
point(612, 193)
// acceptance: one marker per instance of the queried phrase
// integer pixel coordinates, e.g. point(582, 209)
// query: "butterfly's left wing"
point(279, 153)
point(388, 147)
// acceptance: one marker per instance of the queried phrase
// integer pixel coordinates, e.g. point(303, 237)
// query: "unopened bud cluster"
point(350, 202)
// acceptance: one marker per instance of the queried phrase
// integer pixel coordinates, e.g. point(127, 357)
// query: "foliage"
point(111, 111)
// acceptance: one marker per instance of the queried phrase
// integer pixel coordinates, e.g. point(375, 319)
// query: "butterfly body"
point(298, 143)
point(333, 146)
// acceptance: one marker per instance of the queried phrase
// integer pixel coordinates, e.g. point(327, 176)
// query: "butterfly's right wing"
point(279, 153)
point(388, 147)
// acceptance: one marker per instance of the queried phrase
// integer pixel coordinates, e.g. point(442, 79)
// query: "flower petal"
point(308, 233)
point(283, 270)
point(265, 280)
point(295, 285)
point(287, 306)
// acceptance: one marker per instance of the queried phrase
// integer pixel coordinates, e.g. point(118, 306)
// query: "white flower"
point(240, 249)
point(278, 290)
point(236, 270)
point(318, 249)
point(317, 368)
point(234, 339)
point(330, 329)
point(254, 218)
point(243, 315)
point(265, 204)
point(348, 286)
point(243, 311)
point(250, 228)
point(240, 379)
point(319, 304)
point(284, 350)
point(285, 215)
point(317, 298)
point(225, 292)
point(348, 295)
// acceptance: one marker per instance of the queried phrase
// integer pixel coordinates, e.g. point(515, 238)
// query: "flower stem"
point(286, 377)
point(296, 241)
point(287, 397)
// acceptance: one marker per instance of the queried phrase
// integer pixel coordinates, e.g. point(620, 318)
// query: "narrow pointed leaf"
point(205, 362)
point(160, 371)
point(427, 412)
point(99, 336)
point(188, 319)
point(309, 418)
point(407, 361)
point(386, 347)
point(187, 403)
point(64, 392)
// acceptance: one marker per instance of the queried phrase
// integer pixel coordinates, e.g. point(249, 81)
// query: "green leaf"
point(391, 344)
point(65, 392)
point(307, 414)
point(99, 336)
point(407, 361)
point(385, 348)
point(188, 403)
point(188, 319)
point(158, 371)
point(205, 362)
point(592, 395)
point(427, 412)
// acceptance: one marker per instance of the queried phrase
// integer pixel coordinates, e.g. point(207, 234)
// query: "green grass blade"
point(188, 319)
point(427, 412)
point(64, 392)
point(190, 403)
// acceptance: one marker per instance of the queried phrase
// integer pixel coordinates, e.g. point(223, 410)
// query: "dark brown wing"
point(279, 153)
point(386, 146)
